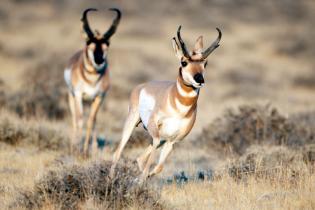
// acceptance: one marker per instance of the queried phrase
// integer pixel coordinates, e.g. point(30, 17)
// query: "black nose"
point(199, 78)
point(98, 59)
point(98, 55)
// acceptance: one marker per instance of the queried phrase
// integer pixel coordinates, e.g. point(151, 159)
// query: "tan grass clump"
point(259, 124)
point(71, 187)
point(43, 92)
point(44, 135)
point(268, 161)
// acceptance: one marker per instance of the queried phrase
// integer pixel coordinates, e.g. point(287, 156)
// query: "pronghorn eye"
point(206, 63)
point(184, 63)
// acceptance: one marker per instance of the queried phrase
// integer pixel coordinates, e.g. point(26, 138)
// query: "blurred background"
point(266, 56)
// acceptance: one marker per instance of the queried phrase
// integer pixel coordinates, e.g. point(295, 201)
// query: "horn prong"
point(86, 26)
point(182, 44)
point(213, 46)
point(113, 27)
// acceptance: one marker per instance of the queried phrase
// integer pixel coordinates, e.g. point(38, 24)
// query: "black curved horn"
point(114, 25)
point(85, 22)
point(213, 46)
point(182, 44)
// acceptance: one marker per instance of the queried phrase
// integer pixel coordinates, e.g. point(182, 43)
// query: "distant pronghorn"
point(87, 78)
point(167, 109)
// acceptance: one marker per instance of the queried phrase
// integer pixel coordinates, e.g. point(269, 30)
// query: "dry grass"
point(247, 125)
point(265, 177)
point(41, 134)
point(268, 161)
point(43, 92)
point(276, 192)
point(71, 187)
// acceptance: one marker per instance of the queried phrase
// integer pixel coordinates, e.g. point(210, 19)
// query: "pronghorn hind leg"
point(91, 123)
point(166, 150)
point(131, 121)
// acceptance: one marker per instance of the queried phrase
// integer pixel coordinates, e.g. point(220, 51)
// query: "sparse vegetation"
point(43, 135)
point(257, 125)
point(43, 92)
point(71, 187)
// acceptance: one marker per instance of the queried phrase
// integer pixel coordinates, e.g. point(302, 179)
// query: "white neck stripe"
point(183, 93)
point(181, 107)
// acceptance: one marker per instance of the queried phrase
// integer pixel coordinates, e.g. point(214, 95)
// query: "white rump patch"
point(67, 77)
point(146, 106)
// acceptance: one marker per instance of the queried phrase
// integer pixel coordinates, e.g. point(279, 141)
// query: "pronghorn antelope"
point(87, 78)
point(167, 109)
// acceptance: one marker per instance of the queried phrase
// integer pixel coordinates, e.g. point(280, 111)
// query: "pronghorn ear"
point(177, 51)
point(199, 45)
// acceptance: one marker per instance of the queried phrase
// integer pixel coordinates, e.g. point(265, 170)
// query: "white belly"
point(88, 91)
point(146, 106)
point(172, 127)
point(91, 91)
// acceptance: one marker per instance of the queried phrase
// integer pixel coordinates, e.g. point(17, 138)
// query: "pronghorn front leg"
point(150, 159)
point(76, 108)
point(142, 159)
point(153, 129)
point(91, 123)
point(166, 150)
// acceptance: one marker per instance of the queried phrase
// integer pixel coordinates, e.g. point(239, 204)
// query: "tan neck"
point(183, 97)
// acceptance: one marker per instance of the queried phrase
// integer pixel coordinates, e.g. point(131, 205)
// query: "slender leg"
point(76, 109)
point(94, 143)
point(79, 116)
point(74, 122)
point(132, 119)
point(142, 160)
point(166, 150)
point(150, 160)
point(91, 122)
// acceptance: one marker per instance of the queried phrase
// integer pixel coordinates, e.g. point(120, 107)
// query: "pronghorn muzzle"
point(105, 38)
point(199, 78)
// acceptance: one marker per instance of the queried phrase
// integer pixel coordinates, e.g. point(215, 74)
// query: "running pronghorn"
point(87, 78)
point(167, 109)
